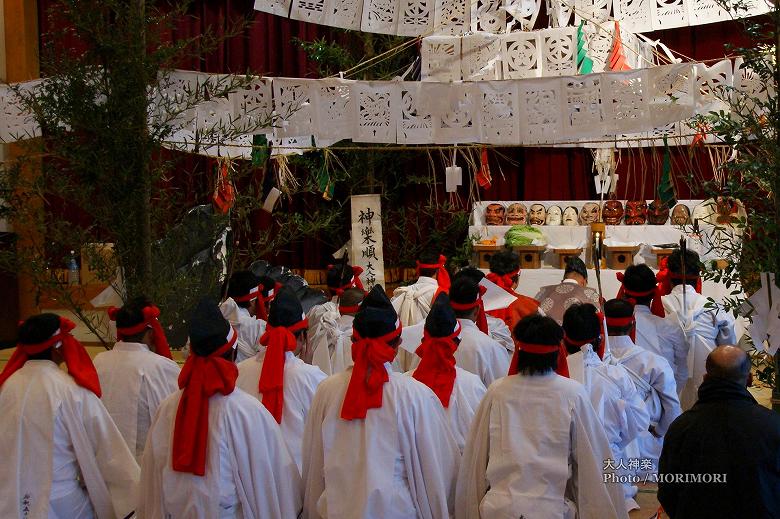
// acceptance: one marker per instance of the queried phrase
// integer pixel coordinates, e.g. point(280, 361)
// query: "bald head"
point(729, 363)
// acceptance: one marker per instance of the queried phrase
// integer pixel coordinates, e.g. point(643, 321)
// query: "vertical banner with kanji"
point(367, 239)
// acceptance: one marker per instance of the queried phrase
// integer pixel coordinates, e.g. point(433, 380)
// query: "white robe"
point(400, 462)
point(326, 313)
point(249, 471)
point(467, 393)
point(134, 378)
point(300, 383)
point(248, 327)
point(536, 450)
point(617, 402)
point(413, 302)
point(654, 380)
point(40, 471)
point(479, 354)
point(664, 337)
point(331, 346)
point(704, 329)
point(500, 332)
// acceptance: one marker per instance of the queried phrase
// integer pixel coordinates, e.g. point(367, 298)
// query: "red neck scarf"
point(656, 305)
point(278, 340)
point(264, 301)
point(369, 374)
point(541, 349)
point(505, 281)
point(200, 378)
point(151, 314)
point(343, 310)
point(76, 358)
point(355, 282)
point(437, 364)
point(622, 322)
point(442, 278)
point(479, 303)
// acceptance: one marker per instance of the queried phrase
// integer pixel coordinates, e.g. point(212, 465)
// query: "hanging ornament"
point(484, 179)
point(584, 63)
point(224, 193)
point(665, 187)
point(325, 184)
point(617, 57)
point(260, 150)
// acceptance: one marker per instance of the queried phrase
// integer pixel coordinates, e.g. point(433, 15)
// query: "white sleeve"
point(636, 417)
point(472, 482)
point(664, 384)
point(150, 501)
point(314, 457)
point(726, 333)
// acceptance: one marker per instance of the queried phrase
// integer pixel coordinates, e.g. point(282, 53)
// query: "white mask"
point(570, 216)
point(554, 216)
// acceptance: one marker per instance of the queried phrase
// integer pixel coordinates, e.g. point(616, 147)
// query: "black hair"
point(618, 308)
point(537, 329)
point(131, 315)
point(640, 278)
point(376, 317)
point(581, 323)
point(339, 274)
point(504, 262)
point(575, 265)
point(692, 266)
point(472, 273)
point(464, 290)
point(429, 258)
point(37, 329)
point(240, 284)
point(208, 329)
point(352, 297)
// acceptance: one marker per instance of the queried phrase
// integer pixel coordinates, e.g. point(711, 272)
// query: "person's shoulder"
point(307, 371)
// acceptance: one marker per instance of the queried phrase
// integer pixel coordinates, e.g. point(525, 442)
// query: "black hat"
point(339, 274)
point(575, 264)
point(639, 278)
point(241, 283)
point(376, 316)
point(441, 320)
point(618, 308)
point(286, 309)
point(38, 328)
point(208, 328)
point(464, 291)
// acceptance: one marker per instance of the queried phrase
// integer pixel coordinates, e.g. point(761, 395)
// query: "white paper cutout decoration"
point(712, 86)
point(416, 17)
point(522, 13)
point(308, 10)
point(452, 16)
point(415, 124)
point(440, 58)
point(481, 57)
point(380, 16)
point(277, 7)
point(624, 96)
point(599, 40)
point(634, 15)
point(293, 105)
point(499, 123)
point(335, 110)
point(521, 55)
point(253, 106)
point(559, 51)
point(706, 11)
point(346, 14)
point(540, 110)
point(668, 14)
point(455, 109)
point(488, 16)
point(583, 111)
point(592, 11)
point(671, 93)
point(376, 108)
point(559, 12)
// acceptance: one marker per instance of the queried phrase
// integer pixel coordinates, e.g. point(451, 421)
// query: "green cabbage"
point(519, 235)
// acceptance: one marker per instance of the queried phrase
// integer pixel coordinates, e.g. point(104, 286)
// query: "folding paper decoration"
point(592, 11)
point(455, 110)
point(277, 7)
point(668, 14)
point(308, 10)
point(540, 110)
point(583, 111)
point(253, 106)
point(480, 57)
point(335, 110)
point(521, 55)
point(416, 17)
point(522, 13)
point(380, 16)
point(706, 11)
point(559, 51)
point(499, 123)
point(559, 12)
point(376, 104)
point(599, 41)
point(488, 16)
point(672, 93)
point(415, 124)
point(624, 95)
point(452, 16)
point(345, 14)
point(713, 85)
point(441, 58)
point(634, 15)
point(293, 106)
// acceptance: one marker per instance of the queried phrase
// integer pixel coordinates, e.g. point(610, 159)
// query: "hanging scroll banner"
point(367, 251)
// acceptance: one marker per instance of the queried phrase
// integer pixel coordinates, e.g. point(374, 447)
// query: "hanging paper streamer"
point(224, 194)
point(617, 58)
point(326, 185)
point(584, 63)
point(483, 176)
point(260, 150)
point(270, 200)
point(665, 186)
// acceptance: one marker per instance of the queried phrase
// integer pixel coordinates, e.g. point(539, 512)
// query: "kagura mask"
point(494, 214)
point(570, 216)
point(538, 214)
point(658, 213)
point(727, 210)
point(554, 216)
point(681, 215)
point(516, 214)
point(636, 212)
point(612, 212)
point(591, 212)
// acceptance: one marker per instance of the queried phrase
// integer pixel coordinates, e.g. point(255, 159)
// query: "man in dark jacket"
point(722, 457)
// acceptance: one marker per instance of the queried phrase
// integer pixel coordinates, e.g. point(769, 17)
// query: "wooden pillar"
point(20, 21)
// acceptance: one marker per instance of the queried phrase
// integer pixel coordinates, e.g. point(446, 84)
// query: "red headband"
point(478, 303)
point(505, 281)
point(443, 277)
point(620, 322)
point(76, 358)
point(656, 305)
point(254, 293)
point(349, 309)
point(541, 349)
point(264, 301)
point(437, 364)
point(151, 320)
point(201, 377)
point(278, 340)
point(369, 374)
point(355, 282)
point(578, 344)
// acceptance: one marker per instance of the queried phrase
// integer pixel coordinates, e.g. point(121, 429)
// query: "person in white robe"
point(536, 448)
point(477, 352)
point(213, 451)
point(413, 302)
point(138, 372)
point(331, 344)
point(323, 319)
point(614, 395)
point(459, 391)
point(704, 326)
point(276, 377)
point(661, 335)
point(62, 456)
point(653, 377)
point(245, 309)
point(377, 444)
